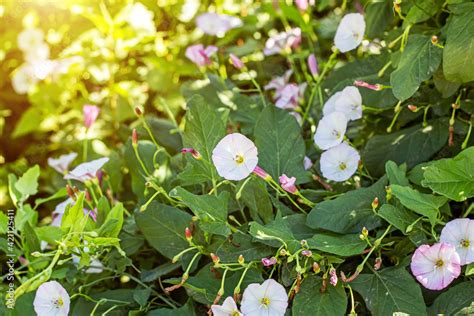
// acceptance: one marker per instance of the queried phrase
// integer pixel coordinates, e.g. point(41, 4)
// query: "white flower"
point(282, 42)
point(24, 79)
point(460, 233)
point(228, 308)
point(266, 299)
point(61, 164)
point(217, 24)
point(87, 170)
point(308, 164)
point(347, 101)
point(37, 53)
point(95, 266)
point(235, 157)
point(339, 163)
point(30, 38)
point(141, 19)
point(331, 130)
point(350, 32)
point(51, 300)
point(59, 212)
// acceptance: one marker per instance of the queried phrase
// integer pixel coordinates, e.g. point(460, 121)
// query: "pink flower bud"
point(363, 84)
point(288, 184)
point(91, 112)
point(236, 61)
point(313, 65)
point(333, 278)
point(261, 173)
point(267, 262)
point(192, 151)
point(378, 263)
point(307, 253)
point(134, 137)
point(215, 258)
point(188, 234)
point(302, 4)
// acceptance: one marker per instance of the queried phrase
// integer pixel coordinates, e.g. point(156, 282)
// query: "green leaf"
point(28, 183)
point(398, 217)
point(418, 62)
point(396, 174)
point(254, 195)
point(310, 300)
point(50, 234)
point(453, 300)
point(210, 209)
point(113, 222)
point(422, 10)
point(281, 148)
point(341, 245)
point(458, 53)
point(390, 290)
point(241, 244)
point(74, 219)
point(163, 227)
point(205, 127)
point(454, 177)
point(275, 234)
point(350, 212)
point(185, 310)
point(32, 240)
point(424, 204)
point(411, 146)
point(377, 16)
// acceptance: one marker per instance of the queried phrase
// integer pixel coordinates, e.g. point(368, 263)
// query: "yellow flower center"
point(465, 243)
point(265, 301)
point(59, 302)
point(342, 166)
point(239, 159)
point(236, 313)
point(439, 263)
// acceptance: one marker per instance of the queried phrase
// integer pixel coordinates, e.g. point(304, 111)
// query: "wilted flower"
point(347, 101)
point(61, 164)
point(228, 308)
point(24, 79)
point(192, 151)
point(306, 253)
point(268, 298)
point(278, 83)
point(267, 262)
point(313, 65)
point(91, 112)
point(217, 24)
point(288, 184)
point(199, 55)
point(290, 95)
point(460, 233)
point(339, 163)
point(51, 299)
point(261, 173)
point(350, 32)
point(87, 170)
point(141, 19)
point(307, 163)
point(331, 130)
point(435, 267)
point(283, 41)
point(235, 157)
point(363, 84)
point(239, 64)
point(333, 277)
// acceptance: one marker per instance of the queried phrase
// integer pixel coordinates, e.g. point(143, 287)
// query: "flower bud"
point(193, 152)
point(88, 195)
point(283, 252)
point(363, 84)
point(313, 65)
point(241, 259)
point(412, 108)
point(188, 234)
point(365, 232)
point(236, 61)
point(134, 138)
point(316, 267)
point(434, 39)
point(267, 262)
point(333, 279)
point(388, 191)
point(304, 243)
point(262, 173)
point(307, 253)
point(70, 192)
point(138, 111)
point(215, 258)
point(378, 263)
point(375, 203)
point(455, 106)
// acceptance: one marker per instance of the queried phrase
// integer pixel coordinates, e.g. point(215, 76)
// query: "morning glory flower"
point(268, 298)
point(228, 308)
point(236, 61)
point(37, 53)
point(307, 163)
point(91, 112)
point(51, 299)
point(199, 55)
point(30, 38)
point(24, 79)
point(290, 95)
point(282, 42)
point(435, 267)
point(217, 24)
point(313, 65)
point(350, 32)
point(61, 164)
point(331, 130)
point(235, 157)
point(141, 19)
point(347, 101)
point(87, 170)
point(268, 262)
point(339, 163)
point(287, 183)
point(460, 233)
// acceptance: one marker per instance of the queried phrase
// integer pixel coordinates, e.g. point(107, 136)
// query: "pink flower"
point(192, 151)
point(290, 96)
point(288, 184)
point(313, 65)
point(460, 233)
point(91, 112)
point(435, 267)
point(333, 279)
point(199, 55)
point(239, 64)
point(306, 253)
point(267, 262)
point(302, 4)
point(363, 84)
point(278, 83)
point(282, 42)
point(261, 173)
